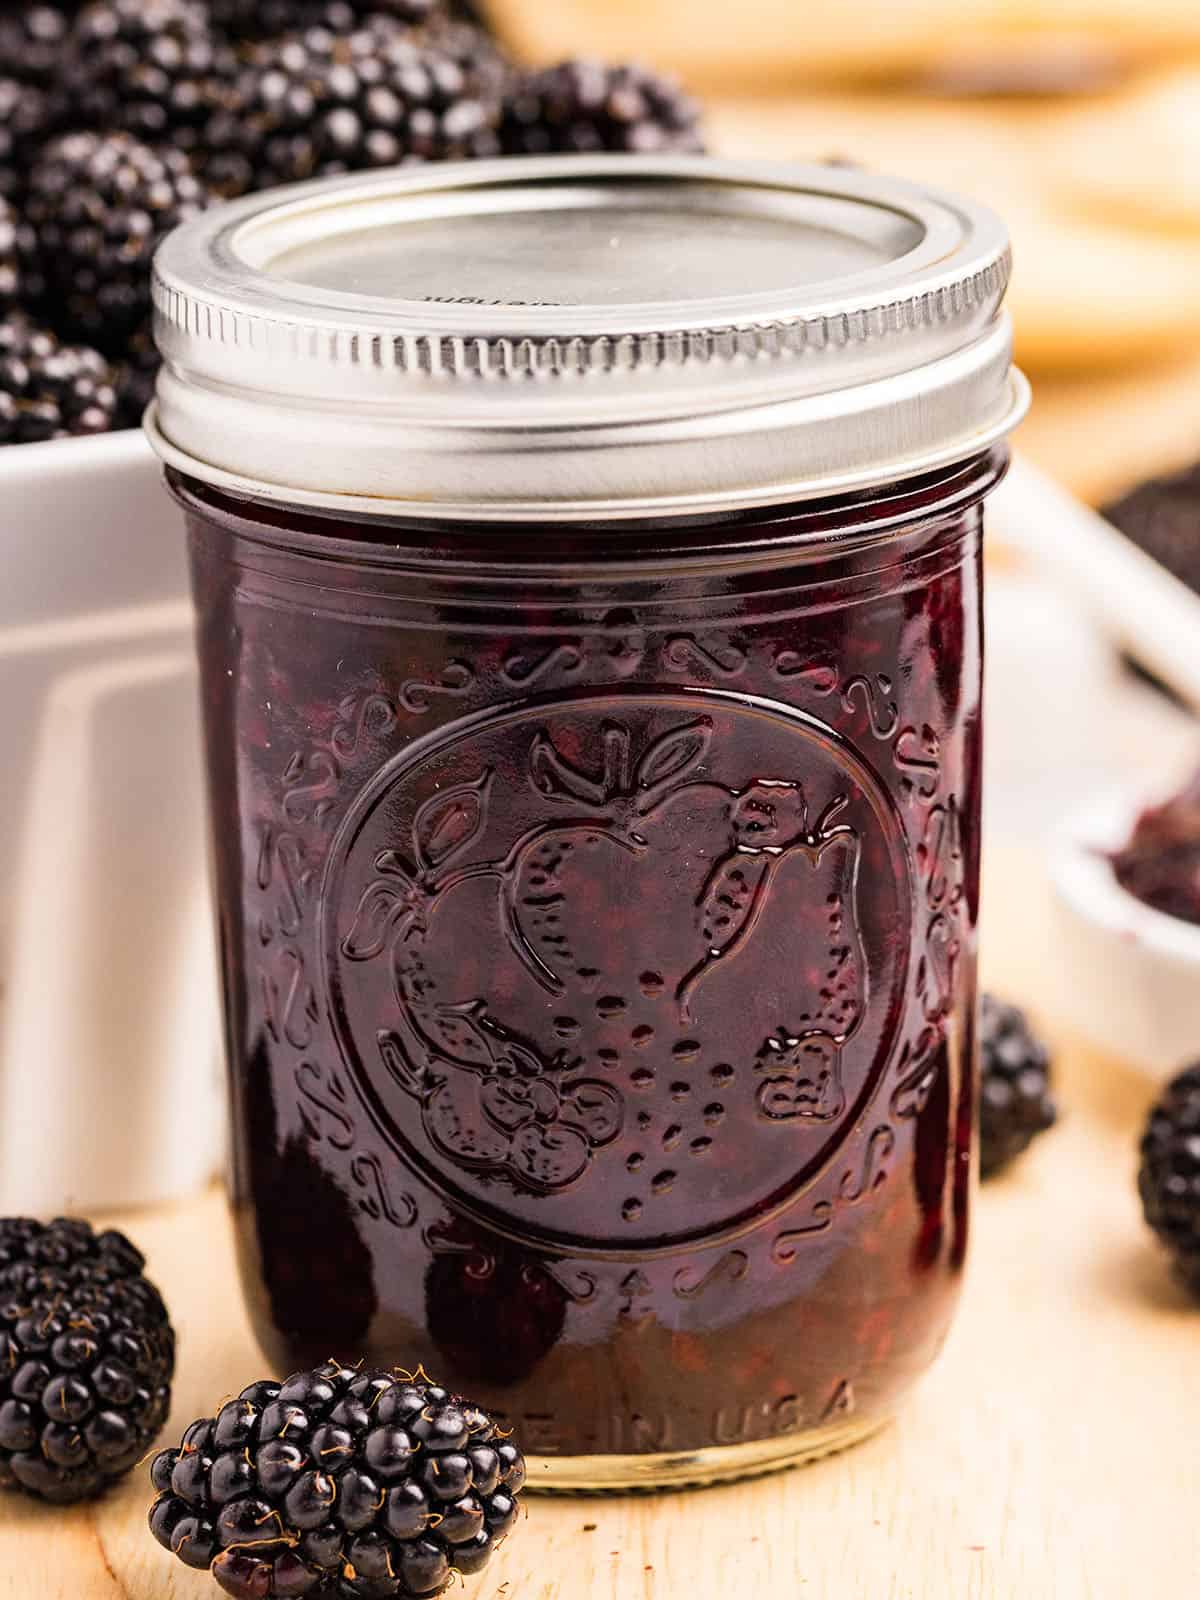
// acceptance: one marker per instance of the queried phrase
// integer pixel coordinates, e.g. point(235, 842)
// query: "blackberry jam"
point(593, 733)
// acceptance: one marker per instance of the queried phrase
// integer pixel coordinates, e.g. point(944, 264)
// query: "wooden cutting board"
point(1051, 1455)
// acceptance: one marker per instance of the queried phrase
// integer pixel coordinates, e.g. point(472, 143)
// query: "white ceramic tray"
point(107, 1005)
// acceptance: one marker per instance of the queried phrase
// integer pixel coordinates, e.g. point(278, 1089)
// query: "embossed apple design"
point(645, 819)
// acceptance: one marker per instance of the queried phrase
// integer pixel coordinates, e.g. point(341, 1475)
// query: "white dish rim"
point(55, 454)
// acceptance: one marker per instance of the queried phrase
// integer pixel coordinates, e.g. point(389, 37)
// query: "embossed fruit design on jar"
point(590, 650)
point(524, 1026)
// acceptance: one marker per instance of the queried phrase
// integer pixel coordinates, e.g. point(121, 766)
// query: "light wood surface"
point(1051, 1455)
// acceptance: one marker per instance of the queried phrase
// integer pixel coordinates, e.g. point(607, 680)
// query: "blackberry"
point(474, 50)
point(1161, 516)
point(1015, 1104)
point(581, 107)
point(24, 119)
point(150, 67)
point(99, 204)
point(320, 102)
point(1169, 1177)
point(32, 39)
point(266, 19)
point(362, 1484)
point(50, 391)
point(86, 1358)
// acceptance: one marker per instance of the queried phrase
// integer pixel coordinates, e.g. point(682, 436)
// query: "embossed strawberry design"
point(802, 1077)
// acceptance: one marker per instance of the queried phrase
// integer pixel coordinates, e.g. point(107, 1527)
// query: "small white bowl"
point(1130, 974)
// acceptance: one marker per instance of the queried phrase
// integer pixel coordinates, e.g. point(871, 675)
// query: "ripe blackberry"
point(153, 68)
point(320, 102)
point(99, 204)
point(1015, 1104)
point(364, 1484)
point(51, 391)
point(23, 123)
point(86, 1358)
point(1169, 1178)
point(584, 106)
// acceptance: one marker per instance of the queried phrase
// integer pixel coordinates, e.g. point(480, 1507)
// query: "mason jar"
point(586, 555)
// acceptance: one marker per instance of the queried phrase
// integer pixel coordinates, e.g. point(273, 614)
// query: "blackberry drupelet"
point(1169, 1177)
point(23, 124)
point(358, 1484)
point(319, 102)
point(153, 68)
point(1015, 1101)
point(32, 38)
point(475, 51)
point(86, 1356)
point(580, 107)
point(99, 204)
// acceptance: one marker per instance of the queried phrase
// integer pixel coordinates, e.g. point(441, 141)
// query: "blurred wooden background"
point(1079, 120)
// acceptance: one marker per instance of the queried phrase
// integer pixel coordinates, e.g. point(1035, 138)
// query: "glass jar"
point(593, 735)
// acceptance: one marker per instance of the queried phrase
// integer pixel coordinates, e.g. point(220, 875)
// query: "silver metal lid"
point(582, 337)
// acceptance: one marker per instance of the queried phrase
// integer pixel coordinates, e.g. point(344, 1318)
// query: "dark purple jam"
point(597, 912)
point(1162, 517)
point(1160, 864)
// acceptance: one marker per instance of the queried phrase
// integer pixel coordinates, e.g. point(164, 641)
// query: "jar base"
point(695, 1469)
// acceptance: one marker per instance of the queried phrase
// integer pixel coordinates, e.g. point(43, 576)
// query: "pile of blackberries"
point(121, 118)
